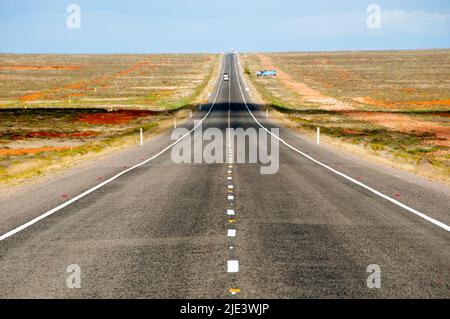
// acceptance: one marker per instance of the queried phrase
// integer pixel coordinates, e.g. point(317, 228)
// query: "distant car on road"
point(226, 77)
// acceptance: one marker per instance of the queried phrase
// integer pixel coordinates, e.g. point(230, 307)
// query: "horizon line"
point(217, 52)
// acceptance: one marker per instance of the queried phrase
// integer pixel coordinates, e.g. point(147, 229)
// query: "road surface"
point(161, 230)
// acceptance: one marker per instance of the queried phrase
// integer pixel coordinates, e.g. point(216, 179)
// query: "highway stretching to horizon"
point(313, 229)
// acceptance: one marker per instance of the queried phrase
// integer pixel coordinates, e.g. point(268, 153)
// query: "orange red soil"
point(117, 117)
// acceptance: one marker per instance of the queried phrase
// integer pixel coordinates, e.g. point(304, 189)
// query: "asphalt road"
point(161, 230)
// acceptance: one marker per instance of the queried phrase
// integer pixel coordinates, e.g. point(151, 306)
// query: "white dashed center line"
point(231, 233)
point(233, 266)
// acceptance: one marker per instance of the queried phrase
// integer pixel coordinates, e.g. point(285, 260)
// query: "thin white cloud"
point(336, 24)
point(416, 22)
point(325, 25)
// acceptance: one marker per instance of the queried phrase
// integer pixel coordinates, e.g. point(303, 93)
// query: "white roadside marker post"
point(318, 135)
point(190, 114)
point(174, 123)
point(267, 113)
point(141, 137)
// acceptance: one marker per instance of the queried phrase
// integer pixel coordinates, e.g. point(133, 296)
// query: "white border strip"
point(93, 189)
point(392, 200)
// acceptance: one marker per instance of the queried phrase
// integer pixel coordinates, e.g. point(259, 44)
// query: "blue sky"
point(153, 26)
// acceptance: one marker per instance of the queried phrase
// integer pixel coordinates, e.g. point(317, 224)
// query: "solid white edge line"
point(93, 189)
point(392, 200)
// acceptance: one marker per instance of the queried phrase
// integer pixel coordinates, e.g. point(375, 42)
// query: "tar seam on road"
point(93, 189)
point(392, 200)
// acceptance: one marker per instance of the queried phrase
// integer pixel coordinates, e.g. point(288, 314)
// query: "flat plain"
point(56, 107)
point(392, 103)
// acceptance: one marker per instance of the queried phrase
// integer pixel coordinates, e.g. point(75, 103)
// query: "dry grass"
point(156, 82)
point(395, 104)
point(57, 110)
